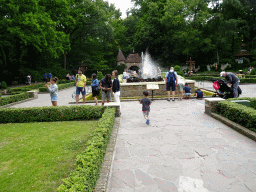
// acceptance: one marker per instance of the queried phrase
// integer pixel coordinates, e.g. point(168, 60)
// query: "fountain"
point(151, 79)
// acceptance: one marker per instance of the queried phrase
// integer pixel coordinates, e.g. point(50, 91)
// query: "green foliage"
point(252, 72)
point(248, 80)
point(245, 116)
point(203, 78)
point(13, 98)
point(177, 68)
point(0, 94)
point(88, 163)
point(3, 85)
point(100, 75)
point(38, 114)
point(120, 68)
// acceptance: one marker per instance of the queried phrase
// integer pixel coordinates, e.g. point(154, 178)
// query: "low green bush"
point(245, 116)
point(60, 86)
point(13, 98)
point(251, 99)
point(203, 78)
point(65, 81)
point(47, 114)
point(3, 85)
point(0, 94)
point(252, 72)
point(88, 164)
point(248, 80)
point(250, 76)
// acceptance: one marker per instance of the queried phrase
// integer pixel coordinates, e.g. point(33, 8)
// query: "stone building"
point(132, 62)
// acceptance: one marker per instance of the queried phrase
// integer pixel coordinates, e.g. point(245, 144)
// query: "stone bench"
point(115, 105)
point(211, 104)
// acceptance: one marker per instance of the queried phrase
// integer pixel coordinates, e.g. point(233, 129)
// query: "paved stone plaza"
point(182, 149)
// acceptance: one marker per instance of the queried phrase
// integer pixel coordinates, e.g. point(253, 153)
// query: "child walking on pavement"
point(146, 102)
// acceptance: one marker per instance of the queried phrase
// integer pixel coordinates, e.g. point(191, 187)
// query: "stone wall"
point(136, 89)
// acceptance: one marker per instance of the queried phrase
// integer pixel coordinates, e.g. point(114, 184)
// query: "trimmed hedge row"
point(60, 86)
point(39, 114)
point(203, 78)
point(25, 88)
point(251, 99)
point(13, 98)
point(245, 116)
point(87, 171)
point(248, 80)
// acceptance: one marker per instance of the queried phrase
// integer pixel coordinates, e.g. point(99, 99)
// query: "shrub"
point(88, 163)
point(245, 116)
point(100, 75)
point(203, 78)
point(176, 68)
point(13, 98)
point(3, 85)
point(39, 114)
point(248, 80)
point(0, 94)
point(252, 72)
point(120, 68)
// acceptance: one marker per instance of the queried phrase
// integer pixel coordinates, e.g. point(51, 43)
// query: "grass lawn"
point(36, 156)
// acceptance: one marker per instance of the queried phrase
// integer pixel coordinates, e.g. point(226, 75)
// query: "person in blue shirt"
point(199, 93)
point(49, 76)
point(44, 78)
point(171, 80)
point(95, 85)
point(187, 91)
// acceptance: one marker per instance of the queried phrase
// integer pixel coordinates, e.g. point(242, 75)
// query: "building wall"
point(128, 65)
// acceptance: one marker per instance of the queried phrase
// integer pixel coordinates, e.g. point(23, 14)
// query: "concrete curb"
point(245, 131)
point(102, 182)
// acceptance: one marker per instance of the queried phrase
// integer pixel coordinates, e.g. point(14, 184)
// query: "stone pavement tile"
point(165, 185)
point(151, 188)
point(243, 174)
point(191, 167)
point(238, 187)
point(191, 184)
point(121, 190)
point(122, 153)
point(216, 181)
point(123, 179)
point(143, 178)
point(183, 152)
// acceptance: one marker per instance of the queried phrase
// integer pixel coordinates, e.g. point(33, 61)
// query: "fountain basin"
point(136, 88)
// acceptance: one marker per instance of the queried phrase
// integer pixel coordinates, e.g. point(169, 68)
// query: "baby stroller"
point(223, 90)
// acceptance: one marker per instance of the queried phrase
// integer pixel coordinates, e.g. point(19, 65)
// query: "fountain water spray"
point(149, 68)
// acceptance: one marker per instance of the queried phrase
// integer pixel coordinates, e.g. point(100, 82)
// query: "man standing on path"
point(80, 85)
point(171, 79)
point(233, 80)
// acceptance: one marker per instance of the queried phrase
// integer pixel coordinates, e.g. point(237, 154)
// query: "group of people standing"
point(172, 82)
point(105, 84)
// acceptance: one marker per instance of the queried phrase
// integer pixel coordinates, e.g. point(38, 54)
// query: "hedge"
point(13, 98)
point(248, 80)
point(88, 163)
point(60, 86)
point(0, 94)
point(203, 78)
point(47, 114)
point(25, 88)
point(251, 99)
point(245, 116)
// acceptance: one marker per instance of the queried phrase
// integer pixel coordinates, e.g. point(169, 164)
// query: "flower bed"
point(245, 116)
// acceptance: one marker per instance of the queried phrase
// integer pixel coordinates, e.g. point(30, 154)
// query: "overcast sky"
point(123, 5)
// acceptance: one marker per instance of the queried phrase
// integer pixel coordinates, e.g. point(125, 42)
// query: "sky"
point(123, 5)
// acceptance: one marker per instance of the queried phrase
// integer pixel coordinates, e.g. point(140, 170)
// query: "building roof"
point(133, 58)
point(120, 56)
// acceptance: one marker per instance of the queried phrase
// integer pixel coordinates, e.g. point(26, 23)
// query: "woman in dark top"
point(106, 86)
point(116, 86)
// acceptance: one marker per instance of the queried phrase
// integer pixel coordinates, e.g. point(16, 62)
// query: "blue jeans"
point(235, 87)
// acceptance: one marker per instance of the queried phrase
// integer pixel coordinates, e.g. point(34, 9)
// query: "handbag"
point(98, 88)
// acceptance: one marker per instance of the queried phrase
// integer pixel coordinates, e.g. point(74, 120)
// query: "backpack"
point(171, 77)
